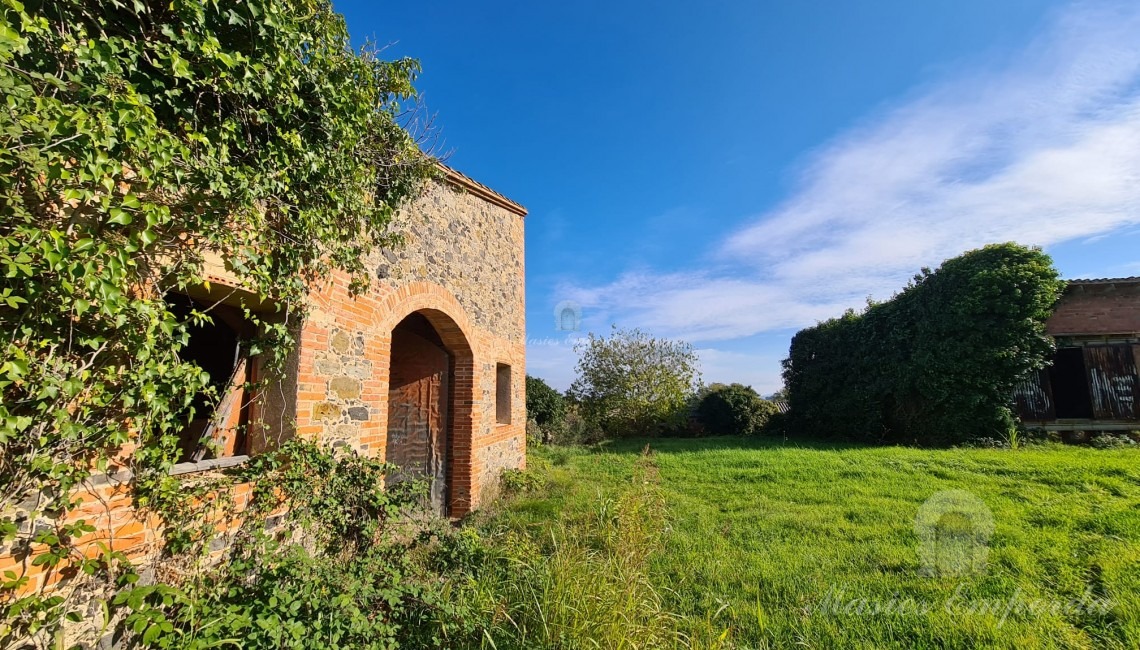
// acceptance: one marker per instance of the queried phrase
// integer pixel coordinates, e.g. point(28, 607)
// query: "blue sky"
point(728, 172)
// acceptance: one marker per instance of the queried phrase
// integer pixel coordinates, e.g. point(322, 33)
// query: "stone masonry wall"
point(463, 263)
point(469, 246)
point(462, 268)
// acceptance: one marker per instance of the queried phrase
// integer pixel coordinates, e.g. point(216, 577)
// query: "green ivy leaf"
point(120, 217)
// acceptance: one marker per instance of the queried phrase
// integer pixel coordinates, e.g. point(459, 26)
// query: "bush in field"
point(634, 384)
point(936, 364)
point(733, 409)
point(545, 406)
point(576, 429)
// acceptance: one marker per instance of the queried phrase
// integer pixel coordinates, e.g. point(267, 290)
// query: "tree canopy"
point(545, 405)
point(634, 384)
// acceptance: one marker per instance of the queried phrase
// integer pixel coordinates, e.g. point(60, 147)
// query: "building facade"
point(426, 369)
point(1092, 382)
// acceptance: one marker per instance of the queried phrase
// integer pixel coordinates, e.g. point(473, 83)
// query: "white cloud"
point(1045, 150)
point(552, 359)
point(1041, 149)
point(698, 306)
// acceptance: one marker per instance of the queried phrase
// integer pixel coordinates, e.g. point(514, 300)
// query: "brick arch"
point(436, 303)
point(450, 322)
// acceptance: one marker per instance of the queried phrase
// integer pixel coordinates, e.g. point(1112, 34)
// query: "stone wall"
point(457, 240)
point(462, 266)
point(462, 269)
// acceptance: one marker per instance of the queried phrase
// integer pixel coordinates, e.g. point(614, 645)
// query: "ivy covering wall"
point(138, 138)
point(936, 364)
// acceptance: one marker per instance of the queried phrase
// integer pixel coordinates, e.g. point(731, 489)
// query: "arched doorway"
point(423, 412)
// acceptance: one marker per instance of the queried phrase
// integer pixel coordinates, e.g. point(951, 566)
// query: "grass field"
point(815, 545)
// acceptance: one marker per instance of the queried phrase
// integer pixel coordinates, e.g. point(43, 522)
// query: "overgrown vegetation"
point(631, 383)
point(936, 364)
point(732, 409)
point(546, 408)
point(582, 584)
point(323, 559)
point(137, 140)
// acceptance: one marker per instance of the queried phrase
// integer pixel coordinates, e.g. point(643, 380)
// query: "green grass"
point(772, 542)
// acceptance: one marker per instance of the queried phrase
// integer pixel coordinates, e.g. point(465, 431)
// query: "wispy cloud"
point(1045, 150)
point(1040, 149)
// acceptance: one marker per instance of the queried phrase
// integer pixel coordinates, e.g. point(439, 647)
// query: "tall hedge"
point(936, 364)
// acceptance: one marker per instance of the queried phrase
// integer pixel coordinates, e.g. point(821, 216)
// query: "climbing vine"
point(936, 364)
point(138, 140)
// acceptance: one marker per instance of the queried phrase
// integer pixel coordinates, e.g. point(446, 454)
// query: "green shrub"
point(544, 405)
point(632, 384)
point(733, 409)
point(518, 481)
point(936, 364)
point(1111, 440)
point(777, 425)
point(336, 570)
point(575, 429)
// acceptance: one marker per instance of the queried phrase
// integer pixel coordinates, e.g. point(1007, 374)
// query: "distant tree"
point(634, 384)
point(544, 405)
point(733, 409)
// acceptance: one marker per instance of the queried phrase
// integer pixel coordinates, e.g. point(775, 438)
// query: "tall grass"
point(588, 585)
point(761, 540)
point(723, 543)
point(582, 583)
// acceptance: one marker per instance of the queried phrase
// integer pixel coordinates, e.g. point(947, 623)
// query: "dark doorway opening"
point(1069, 379)
point(419, 400)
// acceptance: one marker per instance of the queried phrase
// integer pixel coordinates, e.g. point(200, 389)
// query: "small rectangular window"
point(503, 394)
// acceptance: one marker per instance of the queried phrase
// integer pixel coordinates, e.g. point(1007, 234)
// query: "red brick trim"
point(450, 321)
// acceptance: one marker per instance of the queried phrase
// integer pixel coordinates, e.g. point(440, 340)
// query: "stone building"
point(1092, 383)
point(426, 369)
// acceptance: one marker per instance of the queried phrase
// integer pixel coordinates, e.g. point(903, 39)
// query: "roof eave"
point(462, 181)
